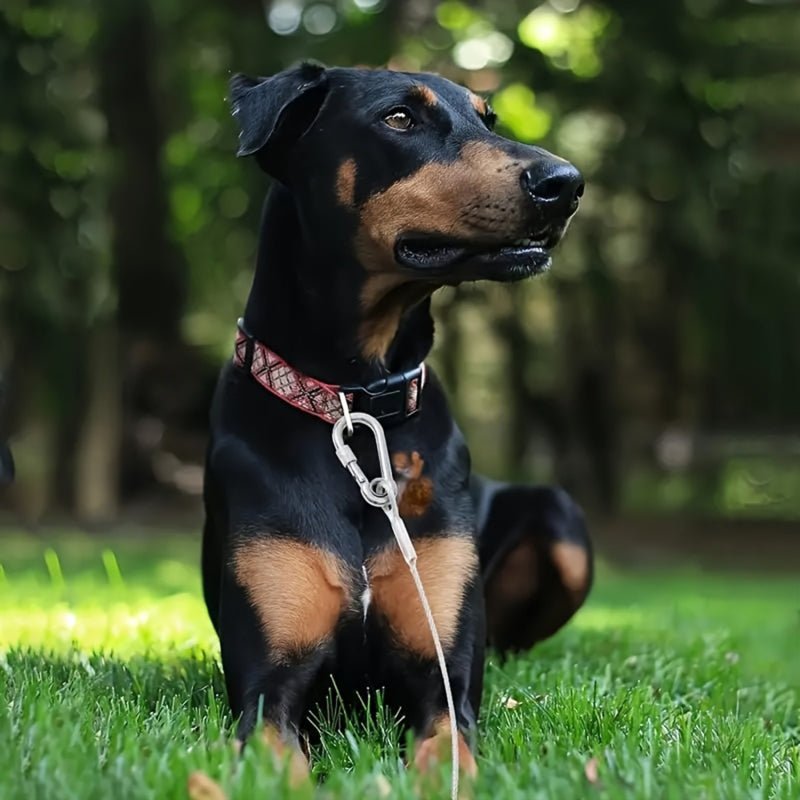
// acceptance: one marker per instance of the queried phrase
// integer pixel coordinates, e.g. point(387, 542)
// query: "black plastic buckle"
point(387, 399)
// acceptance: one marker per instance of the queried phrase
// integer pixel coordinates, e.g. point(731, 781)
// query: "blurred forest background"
point(655, 371)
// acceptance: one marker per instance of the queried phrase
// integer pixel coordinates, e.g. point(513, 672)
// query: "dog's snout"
point(553, 184)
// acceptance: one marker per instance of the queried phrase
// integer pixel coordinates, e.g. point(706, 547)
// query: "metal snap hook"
point(381, 491)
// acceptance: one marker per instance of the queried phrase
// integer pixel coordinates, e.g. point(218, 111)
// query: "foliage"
point(672, 305)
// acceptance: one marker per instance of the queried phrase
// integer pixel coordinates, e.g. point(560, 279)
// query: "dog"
point(386, 187)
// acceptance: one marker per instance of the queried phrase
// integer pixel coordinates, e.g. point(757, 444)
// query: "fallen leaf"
point(382, 786)
point(590, 769)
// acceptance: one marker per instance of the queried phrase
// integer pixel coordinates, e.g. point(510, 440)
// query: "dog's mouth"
point(457, 260)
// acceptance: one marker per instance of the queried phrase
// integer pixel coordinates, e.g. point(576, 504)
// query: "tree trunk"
point(96, 490)
point(150, 275)
point(149, 270)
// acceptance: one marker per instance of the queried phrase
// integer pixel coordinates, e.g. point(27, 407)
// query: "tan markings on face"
point(298, 592)
point(435, 750)
point(478, 103)
point(476, 197)
point(514, 583)
point(572, 563)
point(424, 93)
point(415, 492)
point(346, 183)
point(447, 566)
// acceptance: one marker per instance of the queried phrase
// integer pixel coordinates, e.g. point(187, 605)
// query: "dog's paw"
point(289, 755)
point(431, 754)
point(201, 787)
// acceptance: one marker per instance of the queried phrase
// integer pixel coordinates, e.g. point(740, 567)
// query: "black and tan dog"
point(388, 186)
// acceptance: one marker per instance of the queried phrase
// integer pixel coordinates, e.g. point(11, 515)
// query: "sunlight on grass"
point(88, 603)
point(168, 626)
point(681, 684)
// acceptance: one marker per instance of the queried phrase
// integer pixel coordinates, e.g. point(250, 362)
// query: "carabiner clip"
point(381, 491)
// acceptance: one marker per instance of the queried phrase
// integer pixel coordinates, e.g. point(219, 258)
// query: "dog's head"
point(428, 194)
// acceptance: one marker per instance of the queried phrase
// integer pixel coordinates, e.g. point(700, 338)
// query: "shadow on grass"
point(151, 681)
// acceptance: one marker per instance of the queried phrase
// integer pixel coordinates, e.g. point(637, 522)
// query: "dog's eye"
point(489, 118)
point(400, 119)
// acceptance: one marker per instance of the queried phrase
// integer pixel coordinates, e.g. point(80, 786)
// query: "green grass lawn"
point(679, 684)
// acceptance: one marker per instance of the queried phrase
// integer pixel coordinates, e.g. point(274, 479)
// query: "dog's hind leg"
point(536, 561)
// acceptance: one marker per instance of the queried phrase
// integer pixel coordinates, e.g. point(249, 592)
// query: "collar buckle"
point(390, 399)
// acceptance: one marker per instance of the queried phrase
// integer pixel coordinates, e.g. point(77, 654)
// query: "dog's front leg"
point(281, 602)
point(448, 567)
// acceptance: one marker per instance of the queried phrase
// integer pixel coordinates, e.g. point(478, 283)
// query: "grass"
point(675, 685)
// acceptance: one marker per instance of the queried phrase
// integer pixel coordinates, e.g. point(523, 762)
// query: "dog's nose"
point(553, 185)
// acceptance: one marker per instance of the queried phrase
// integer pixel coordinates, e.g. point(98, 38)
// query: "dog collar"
point(391, 399)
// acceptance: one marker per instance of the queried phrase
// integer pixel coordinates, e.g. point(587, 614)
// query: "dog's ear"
point(273, 113)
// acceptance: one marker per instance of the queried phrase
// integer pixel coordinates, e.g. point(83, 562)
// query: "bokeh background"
point(655, 372)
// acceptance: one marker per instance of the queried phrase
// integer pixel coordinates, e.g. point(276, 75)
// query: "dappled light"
point(680, 262)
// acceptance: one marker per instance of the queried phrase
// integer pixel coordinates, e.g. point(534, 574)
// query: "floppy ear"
point(273, 113)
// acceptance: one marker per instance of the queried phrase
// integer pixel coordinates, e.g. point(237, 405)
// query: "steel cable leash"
point(381, 492)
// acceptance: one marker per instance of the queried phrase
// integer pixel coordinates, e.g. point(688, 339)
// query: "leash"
point(381, 492)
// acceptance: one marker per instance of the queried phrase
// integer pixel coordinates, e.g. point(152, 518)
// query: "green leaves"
point(516, 107)
point(570, 41)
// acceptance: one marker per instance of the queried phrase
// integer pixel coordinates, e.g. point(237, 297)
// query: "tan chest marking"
point(447, 567)
point(298, 592)
point(415, 491)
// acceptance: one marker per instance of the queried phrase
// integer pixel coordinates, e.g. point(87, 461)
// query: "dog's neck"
point(304, 305)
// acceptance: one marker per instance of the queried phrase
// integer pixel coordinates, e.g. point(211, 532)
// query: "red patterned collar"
point(391, 399)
